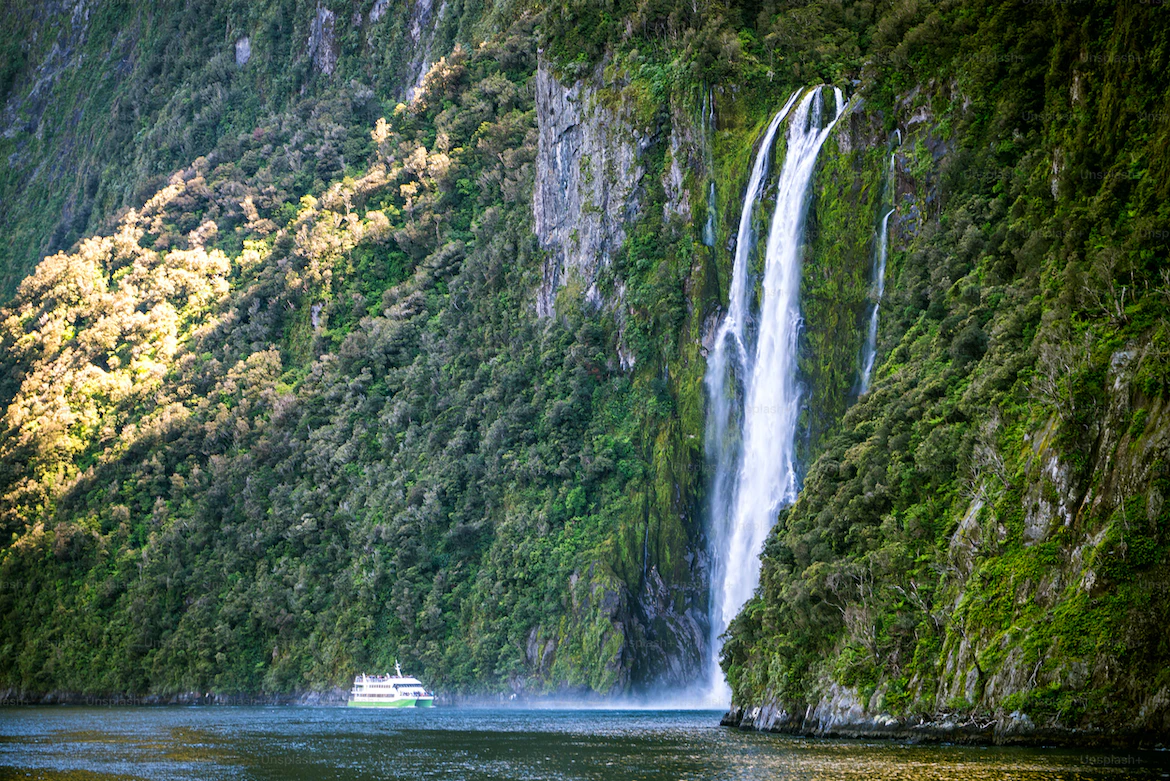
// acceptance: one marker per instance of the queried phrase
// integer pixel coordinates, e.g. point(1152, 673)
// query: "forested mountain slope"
point(346, 373)
point(269, 430)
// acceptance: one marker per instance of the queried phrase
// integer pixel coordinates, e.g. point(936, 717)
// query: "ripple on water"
point(314, 744)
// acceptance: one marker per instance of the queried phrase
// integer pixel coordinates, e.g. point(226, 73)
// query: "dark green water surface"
point(78, 743)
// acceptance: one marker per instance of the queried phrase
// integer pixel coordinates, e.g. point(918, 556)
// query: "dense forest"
point(337, 333)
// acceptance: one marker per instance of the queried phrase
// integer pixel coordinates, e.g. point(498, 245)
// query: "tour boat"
point(390, 691)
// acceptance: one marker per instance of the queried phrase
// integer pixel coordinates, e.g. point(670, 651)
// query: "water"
point(707, 121)
point(312, 744)
point(727, 370)
point(709, 225)
point(753, 391)
point(879, 281)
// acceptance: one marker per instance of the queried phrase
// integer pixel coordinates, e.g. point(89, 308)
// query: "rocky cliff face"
point(597, 146)
point(588, 184)
point(1098, 520)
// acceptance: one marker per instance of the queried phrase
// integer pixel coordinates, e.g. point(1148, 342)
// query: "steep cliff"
point(588, 179)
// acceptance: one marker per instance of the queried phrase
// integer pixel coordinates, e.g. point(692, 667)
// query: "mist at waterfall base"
point(753, 392)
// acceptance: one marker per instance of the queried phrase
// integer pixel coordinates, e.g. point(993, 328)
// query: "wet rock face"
point(841, 714)
point(322, 43)
point(673, 632)
point(588, 172)
point(378, 11)
point(682, 147)
point(243, 51)
point(424, 25)
point(22, 113)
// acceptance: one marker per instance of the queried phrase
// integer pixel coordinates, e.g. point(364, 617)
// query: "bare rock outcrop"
point(588, 176)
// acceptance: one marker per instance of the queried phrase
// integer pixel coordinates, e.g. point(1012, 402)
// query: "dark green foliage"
point(107, 103)
point(328, 431)
point(930, 556)
point(364, 448)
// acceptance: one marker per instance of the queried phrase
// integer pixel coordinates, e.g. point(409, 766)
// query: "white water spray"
point(727, 370)
point(755, 399)
point(879, 280)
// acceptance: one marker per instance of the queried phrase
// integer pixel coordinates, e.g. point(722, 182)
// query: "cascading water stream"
point(709, 225)
point(708, 130)
point(879, 275)
point(754, 395)
point(726, 374)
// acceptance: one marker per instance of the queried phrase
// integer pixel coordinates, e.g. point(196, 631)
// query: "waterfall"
point(708, 132)
point(726, 373)
point(753, 392)
point(709, 226)
point(869, 353)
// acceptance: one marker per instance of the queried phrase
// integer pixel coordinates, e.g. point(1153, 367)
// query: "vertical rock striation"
point(588, 182)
